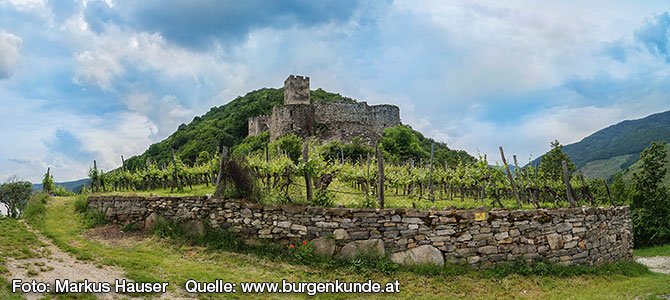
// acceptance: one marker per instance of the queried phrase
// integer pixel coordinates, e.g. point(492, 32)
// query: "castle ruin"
point(333, 121)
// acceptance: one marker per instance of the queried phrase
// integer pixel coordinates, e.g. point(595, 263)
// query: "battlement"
point(296, 90)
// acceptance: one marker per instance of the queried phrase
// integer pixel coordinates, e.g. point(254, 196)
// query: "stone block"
point(555, 241)
point(374, 247)
point(425, 254)
point(323, 246)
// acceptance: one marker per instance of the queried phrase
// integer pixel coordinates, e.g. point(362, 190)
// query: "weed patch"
point(94, 218)
point(81, 203)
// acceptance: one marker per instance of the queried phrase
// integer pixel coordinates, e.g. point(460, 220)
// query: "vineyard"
point(314, 179)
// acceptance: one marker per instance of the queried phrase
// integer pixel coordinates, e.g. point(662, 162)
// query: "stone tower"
point(296, 90)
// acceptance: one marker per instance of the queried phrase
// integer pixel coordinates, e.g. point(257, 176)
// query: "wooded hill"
point(226, 125)
point(617, 147)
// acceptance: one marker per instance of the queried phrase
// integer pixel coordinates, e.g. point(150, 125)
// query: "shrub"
point(240, 175)
point(35, 206)
point(14, 194)
point(650, 205)
point(81, 203)
point(61, 191)
point(289, 143)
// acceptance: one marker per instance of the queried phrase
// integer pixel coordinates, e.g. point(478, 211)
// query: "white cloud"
point(107, 56)
point(28, 5)
point(10, 53)
point(163, 114)
point(131, 135)
point(530, 136)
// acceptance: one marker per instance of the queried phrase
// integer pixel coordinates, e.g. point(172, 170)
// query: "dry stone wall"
point(481, 238)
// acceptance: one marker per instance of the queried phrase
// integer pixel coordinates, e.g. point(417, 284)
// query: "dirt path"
point(659, 264)
point(56, 264)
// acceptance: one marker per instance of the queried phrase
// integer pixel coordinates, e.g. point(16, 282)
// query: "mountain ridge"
point(616, 147)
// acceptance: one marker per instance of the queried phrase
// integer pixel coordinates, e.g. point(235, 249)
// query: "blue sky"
point(84, 80)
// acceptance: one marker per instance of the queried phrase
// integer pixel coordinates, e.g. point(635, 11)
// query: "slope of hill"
point(628, 172)
point(227, 125)
point(613, 149)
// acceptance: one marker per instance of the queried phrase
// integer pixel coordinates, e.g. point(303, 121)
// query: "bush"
point(61, 191)
point(650, 205)
point(81, 203)
point(289, 143)
point(14, 194)
point(35, 206)
point(240, 175)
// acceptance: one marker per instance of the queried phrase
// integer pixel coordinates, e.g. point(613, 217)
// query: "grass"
point(653, 251)
point(156, 259)
point(18, 243)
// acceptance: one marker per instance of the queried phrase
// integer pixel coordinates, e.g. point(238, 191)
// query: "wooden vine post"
point(519, 181)
point(45, 187)
point(97, 176)
point(586, 188)
point(219, 179)
point(609, 195)
point(380, 163)
point(509, 176)
point(174, 172)
point(308, 181)
point(568, 187)
point(124, 184)
point(367, 179)
point(430, 175)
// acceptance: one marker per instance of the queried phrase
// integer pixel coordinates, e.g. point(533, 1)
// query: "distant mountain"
point(617, 147)
point(73, 186)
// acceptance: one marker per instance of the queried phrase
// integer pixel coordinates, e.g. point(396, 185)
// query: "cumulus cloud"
point(655, 36)
point(163, 114)
point(10, 53)
point(197, 24)
point(28, 5)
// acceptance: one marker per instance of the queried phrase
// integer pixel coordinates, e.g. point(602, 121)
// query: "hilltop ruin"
point(333, 121)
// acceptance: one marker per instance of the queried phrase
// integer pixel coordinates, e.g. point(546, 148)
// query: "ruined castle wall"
point(341, 121)
point(296, 118)
point(476, 237)
point(258, 124)
point(296, 90)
